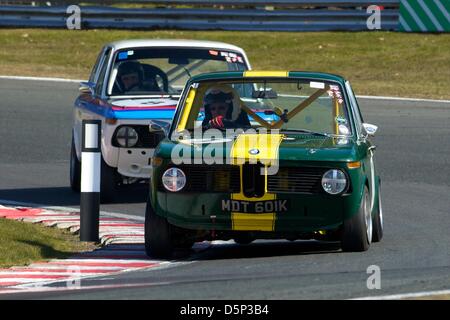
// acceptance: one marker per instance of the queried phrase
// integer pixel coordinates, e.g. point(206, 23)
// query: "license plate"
point(255, 206)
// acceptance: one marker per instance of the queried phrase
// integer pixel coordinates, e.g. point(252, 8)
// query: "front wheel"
point(357, 231)
point(75, 169)
point(158, 234)
point(378, 220)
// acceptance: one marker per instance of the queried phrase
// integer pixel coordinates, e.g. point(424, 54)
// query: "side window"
point(102, 74)
point(355, 107)
point(96, 66)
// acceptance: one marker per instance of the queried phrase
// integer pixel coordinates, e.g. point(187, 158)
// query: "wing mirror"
point(158, 126)
point(87, 87)
point(370, 129)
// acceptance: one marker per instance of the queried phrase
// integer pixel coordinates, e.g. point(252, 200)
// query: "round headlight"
point(127, 137)
point(174, 179)
point(334, 181)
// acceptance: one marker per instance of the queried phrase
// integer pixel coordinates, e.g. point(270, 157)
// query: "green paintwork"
point(323, 211)
point(240, 74)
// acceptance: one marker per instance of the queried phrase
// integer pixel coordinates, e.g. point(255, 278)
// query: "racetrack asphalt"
point(413, 159)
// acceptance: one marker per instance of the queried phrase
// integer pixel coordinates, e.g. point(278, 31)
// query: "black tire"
point(378, 220)
point(186, 244)
point(109, 183)
point(158, 235)
point(357, 231)
point(75, 169)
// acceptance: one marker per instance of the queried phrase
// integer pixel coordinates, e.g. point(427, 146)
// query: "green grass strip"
point(376, 63)
point(22, 243)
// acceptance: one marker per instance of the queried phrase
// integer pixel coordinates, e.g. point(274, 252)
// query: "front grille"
point(147, 139)
point(226, 179)
point(150, 139)
point(211, 178)
point(252, 180)
point(296, 180)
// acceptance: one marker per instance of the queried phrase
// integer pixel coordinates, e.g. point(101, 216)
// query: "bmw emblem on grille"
point(253, 151)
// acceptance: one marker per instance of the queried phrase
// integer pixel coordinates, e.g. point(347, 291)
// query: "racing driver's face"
point(218, 109)
point(130, 80)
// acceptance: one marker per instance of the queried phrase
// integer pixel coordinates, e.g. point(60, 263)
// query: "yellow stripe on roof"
point(266, 74)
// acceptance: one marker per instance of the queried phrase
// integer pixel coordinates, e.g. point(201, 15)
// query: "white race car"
point(133, 89)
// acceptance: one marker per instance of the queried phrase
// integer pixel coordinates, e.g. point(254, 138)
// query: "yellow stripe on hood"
point(266, 144)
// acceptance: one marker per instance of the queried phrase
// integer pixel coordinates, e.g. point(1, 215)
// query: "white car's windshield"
point(156, 71)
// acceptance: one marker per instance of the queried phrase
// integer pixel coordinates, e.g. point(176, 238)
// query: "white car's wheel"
point(75, 169)
point(109, 183)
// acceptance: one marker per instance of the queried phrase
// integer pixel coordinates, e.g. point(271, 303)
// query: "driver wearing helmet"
point(222, 109)
point(130, 76)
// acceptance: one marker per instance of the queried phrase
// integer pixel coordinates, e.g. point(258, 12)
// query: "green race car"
point(265, 155)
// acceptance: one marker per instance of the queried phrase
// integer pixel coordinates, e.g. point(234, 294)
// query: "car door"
point(367, 144)
point(87, 106)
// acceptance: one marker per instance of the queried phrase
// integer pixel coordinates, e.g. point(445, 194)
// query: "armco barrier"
point(267, 15)
point(424, 16)
point(216, 3)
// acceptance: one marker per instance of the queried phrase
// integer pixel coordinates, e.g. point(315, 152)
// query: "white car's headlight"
point(174, 179)
point(334, 181)
point(127, 137)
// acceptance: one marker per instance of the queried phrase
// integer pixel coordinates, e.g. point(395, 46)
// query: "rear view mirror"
point(262, 93)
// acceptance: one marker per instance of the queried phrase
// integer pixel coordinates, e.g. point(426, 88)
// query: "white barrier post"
point(90, 180)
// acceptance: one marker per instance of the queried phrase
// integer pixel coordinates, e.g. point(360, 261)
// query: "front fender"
point(353, 201)
point(375, 208)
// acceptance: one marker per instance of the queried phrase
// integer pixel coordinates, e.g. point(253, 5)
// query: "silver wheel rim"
point(368, 217)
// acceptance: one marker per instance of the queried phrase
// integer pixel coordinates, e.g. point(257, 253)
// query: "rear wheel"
point(357, 231)
point(158, 234)
point(378, 220)
point(75, 169)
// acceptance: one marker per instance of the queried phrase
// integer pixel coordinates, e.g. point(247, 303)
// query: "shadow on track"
point(266, 248)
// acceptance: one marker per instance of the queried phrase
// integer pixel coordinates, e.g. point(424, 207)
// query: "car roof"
point(267, 74)
point(139, 43)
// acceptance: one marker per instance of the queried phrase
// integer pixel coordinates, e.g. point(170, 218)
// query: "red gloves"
point(217, 122)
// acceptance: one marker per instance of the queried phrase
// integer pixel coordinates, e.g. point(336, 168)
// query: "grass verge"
point(377, 63)
point(22, 243)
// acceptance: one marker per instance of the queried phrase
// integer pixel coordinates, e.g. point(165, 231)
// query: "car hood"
point(299, 147)
point(144, 103)
point(144, 108)
point(317, 148)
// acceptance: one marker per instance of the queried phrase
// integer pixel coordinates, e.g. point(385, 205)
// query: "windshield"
point(165, 71)
point(297, 105)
